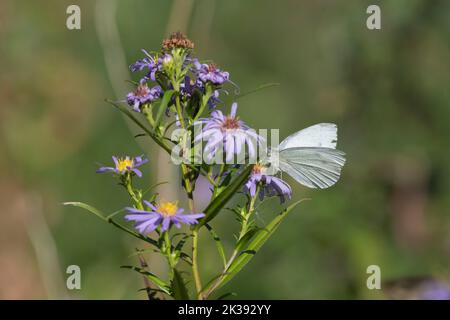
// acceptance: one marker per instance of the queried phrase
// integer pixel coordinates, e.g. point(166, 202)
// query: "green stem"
point(176, 87)
point(148, 114)
point(244, 227)
point(129, 187)
point(209, 176)
point(189, 191)
point(168, 253)
point(217, 182)
point(246, 218)
point(205, 100)
point(195, 271)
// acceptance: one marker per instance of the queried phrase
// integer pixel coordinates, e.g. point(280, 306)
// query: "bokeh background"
point(387, 90)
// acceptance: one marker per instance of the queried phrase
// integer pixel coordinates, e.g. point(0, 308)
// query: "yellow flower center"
point(259, 168)
point(168, 209)
point(123, 164)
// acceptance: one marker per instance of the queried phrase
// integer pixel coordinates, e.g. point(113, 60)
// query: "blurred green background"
point(387, 90)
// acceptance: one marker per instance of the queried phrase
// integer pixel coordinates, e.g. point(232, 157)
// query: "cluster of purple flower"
point(165, 214)
point(200, 75)
point(175, 69)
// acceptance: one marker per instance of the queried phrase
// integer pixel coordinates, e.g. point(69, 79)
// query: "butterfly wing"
point(314, 167)
point(322, 135)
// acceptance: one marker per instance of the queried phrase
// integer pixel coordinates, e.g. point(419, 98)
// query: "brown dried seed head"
point(177, 40)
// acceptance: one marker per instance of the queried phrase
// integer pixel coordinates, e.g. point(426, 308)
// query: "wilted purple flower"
point(143, 94)
point(125, 165)
point(161, 215)
point(227, 133)
point(177, 40)
point(153, 64)
point(210, 72)
point(269, 185)
point(188, 86)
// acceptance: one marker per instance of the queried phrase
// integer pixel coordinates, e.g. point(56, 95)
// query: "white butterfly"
point(310, 156)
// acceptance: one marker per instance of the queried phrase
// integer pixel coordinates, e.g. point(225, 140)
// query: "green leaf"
point(261, 87)
point(222, 198)
point(163, 106)
point(87, 207)
point(179, 289)
point(141, 125)
point(109, 219)
point(181, 243)
point(226, 181)
point(219, 244)
point(204, 101)
point(211, 282)
point(112, 215)
point(255, 245)
point(153, 278)
point(246, 238)
point(152, 187)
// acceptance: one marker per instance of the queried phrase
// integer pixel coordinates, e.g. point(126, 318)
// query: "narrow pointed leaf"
point(179, 289)
point(221, 200)
point(255, 245)
point(261, 87)
point(87, 207)
point(109, 219)
point(153, 278)
point(211, 282)
point(163, 106)
point(141, 125)
point(219, 244)
point(246, 238)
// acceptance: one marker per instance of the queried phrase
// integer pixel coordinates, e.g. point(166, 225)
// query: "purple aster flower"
point(228, 134)
point(436, 291)
point(269, 185)
point(143, 94)
point(125, 165)
point(210, 72)
point(164, 214)
point(153, 64)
